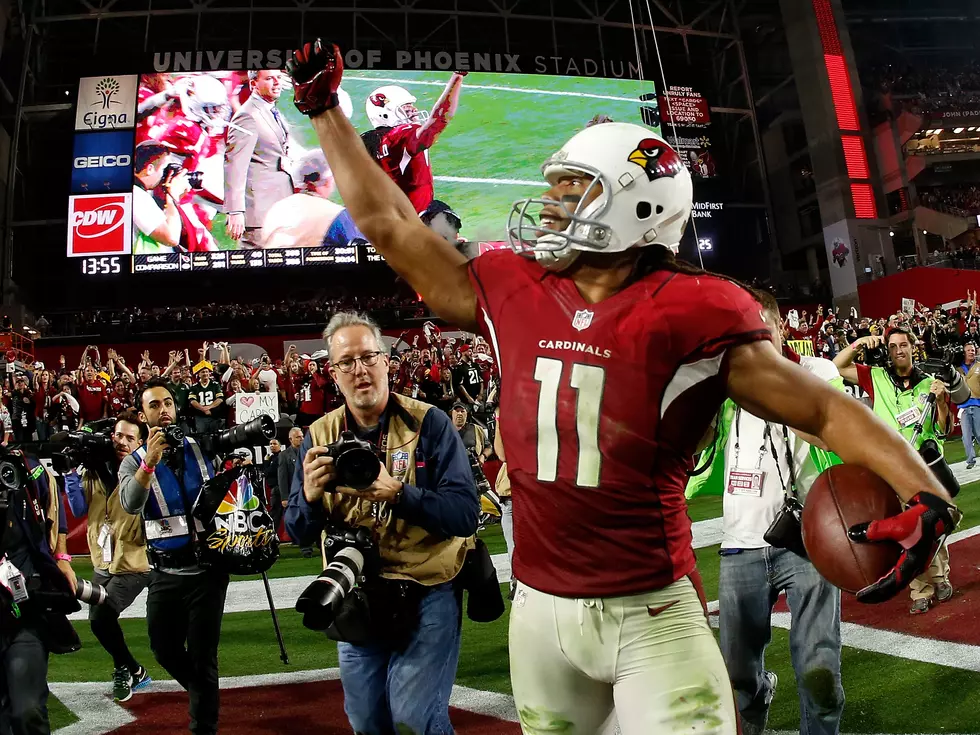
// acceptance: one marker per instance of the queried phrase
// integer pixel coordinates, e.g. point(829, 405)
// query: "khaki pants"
point(650, 656)
point(924, 586)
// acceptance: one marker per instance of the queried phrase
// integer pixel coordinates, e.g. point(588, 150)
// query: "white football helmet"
point(204, 100)
point(391, 105)
point(646, 197)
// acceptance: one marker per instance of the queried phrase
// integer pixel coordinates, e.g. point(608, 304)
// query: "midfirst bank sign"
point(184, 61)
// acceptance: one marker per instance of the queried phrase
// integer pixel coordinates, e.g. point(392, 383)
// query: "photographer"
point(157, 226)
point(185, 602)
point(762, 469)
point(117, 548)
point(33, 561)
point(900, 394)
point(473, 435)
point(421, 510)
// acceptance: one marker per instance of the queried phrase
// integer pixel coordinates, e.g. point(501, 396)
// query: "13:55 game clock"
point(104, 266)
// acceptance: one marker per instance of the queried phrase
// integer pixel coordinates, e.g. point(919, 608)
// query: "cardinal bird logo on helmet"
point(657, 158)
point(378, 99)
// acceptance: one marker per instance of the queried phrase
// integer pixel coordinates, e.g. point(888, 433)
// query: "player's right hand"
point(235, 225)
point(316, 70)
point(155, 446)
point(178, 185)
point(318, 472)
point(919, 530)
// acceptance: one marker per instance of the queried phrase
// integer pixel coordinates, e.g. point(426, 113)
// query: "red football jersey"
point(118, 403)
point(404, 158)
point(91, 399)
point(602, 406)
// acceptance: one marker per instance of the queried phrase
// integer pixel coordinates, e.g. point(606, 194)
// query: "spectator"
point(22, 410)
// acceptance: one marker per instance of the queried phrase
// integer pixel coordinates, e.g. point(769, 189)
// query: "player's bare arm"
point(775, 389)
point(442, 113)
point(845, 358)
point(379, 208)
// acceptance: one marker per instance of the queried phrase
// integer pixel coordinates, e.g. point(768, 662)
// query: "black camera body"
point(194, 178)
point(353, 557)
point(356, 461)
point(257, 432)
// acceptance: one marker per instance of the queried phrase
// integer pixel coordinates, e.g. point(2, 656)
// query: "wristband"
point(63, 557)
point(146, 468)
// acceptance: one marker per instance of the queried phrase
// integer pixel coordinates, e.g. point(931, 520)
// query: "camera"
point(90, 593)
point(258, 431)
point(352, 556)
point(74, 448)
point(356, 462)
point(194, 178)
point(786, 529)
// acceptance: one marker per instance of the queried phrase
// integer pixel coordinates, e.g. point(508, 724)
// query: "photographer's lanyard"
point(750, 482)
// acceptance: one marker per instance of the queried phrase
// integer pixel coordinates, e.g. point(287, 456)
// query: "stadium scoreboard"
point(487, 158)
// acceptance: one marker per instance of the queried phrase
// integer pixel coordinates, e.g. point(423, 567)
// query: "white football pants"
point(650, 657)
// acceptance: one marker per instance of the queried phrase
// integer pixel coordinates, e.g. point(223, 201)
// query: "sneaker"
point(773, 680)
point(971, 465)
point(920, 606)
point(944, 592)
point(141, 679)
point(513, 590)
point(122, 684)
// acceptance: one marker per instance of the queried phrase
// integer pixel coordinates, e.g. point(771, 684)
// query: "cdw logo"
point(100, 224)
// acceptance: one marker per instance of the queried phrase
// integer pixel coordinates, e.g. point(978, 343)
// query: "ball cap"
point(437, 207)
point(460, 404)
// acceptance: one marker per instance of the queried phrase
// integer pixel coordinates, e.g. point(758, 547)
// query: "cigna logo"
point(100, 224)
point(106, 102)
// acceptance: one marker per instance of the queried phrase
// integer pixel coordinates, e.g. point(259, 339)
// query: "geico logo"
point(102, 161)
point(97, 120)
point(97, 222)
point(240, 522)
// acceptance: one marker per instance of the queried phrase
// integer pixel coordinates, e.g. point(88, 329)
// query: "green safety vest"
point(890, 402)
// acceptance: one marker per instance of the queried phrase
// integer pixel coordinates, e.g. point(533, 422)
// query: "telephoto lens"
point(89, 593)
point(320, 601)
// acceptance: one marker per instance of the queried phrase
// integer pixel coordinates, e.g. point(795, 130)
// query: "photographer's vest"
point(128, 548)
point(407, 551)
point(472, 438)
point(167, 511)
point(902, 409)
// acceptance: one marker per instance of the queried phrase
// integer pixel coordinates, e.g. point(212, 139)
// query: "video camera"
point(259, 431)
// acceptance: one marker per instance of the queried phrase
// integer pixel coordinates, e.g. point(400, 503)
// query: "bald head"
point(295, 437)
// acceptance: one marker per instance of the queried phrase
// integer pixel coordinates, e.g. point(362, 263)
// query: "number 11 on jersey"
point(589, 382)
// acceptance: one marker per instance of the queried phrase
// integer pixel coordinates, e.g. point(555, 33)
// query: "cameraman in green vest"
point(900, 394)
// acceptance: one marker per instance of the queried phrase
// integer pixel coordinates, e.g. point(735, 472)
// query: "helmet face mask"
point(392, 105)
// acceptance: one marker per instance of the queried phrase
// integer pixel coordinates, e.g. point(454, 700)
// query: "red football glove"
point(919, 530)
point(316, 73)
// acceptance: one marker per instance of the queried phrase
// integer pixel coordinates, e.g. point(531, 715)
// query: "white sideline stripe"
point(474, 180)
point(495, 88)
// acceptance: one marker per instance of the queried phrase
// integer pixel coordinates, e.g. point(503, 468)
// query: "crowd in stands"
point(962, 201)
point(924, 90)
point(207, 382)
point(113, 323)
point(937, 333)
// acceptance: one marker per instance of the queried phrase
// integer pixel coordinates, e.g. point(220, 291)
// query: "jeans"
point(23, 683)
point(207, 424)
point(970, 424)
point(388, 691)
point(183, 619)
point(749, 583)
point(44, 431)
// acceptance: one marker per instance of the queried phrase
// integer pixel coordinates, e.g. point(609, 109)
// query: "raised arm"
point(433, 267)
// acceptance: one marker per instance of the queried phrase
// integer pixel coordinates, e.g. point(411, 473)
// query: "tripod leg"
point(275, 620)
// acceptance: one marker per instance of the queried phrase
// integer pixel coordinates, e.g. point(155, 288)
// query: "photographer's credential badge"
point(746, 482)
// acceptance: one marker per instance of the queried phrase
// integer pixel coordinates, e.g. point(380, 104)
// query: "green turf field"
point(933, 698)
point(505, 127)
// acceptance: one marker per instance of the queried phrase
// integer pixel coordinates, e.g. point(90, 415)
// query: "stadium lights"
point(924, 232)
point(891, 233)
point(957, 130)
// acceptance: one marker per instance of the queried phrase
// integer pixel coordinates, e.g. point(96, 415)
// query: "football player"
point(614, 357)
point(403, 134)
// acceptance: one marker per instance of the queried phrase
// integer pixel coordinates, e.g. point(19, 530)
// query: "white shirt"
point(746, 518)
point(147, 215)
point(268, 379)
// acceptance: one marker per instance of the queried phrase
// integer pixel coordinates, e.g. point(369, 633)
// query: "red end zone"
point(316, 706)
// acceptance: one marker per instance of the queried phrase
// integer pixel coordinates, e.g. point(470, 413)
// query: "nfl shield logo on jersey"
point(582, 319)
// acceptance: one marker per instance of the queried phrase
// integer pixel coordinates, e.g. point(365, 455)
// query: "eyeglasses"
point(368, 359)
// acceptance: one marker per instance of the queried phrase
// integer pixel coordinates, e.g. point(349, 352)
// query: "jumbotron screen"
point(229, 174)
